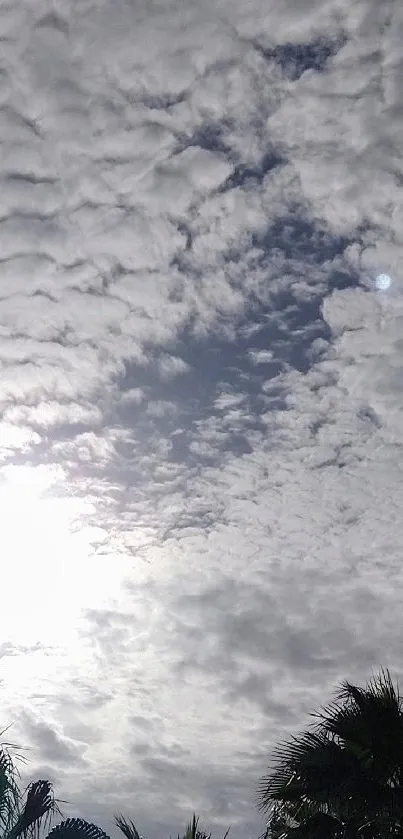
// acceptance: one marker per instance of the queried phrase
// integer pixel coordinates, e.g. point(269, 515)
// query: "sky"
point(201, 472)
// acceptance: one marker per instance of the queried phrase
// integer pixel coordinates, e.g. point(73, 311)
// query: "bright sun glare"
point(47, 574)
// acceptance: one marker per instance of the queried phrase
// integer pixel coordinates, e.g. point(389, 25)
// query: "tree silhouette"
point(22, 814)
point(343, 779)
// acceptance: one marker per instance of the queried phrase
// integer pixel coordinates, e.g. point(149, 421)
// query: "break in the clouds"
point(201, 388)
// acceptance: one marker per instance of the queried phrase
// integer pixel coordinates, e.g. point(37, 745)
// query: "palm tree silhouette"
point(22, 815)
point(81, 829)
point(344, 778)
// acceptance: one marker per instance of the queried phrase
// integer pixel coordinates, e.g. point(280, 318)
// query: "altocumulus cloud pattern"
point(201, 426)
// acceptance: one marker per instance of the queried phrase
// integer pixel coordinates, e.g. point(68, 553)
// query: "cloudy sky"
point(201, 388)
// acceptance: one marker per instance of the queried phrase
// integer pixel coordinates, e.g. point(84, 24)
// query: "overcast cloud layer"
point(201, 389)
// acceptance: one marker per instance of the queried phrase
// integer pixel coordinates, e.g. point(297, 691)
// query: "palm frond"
point(265, 834)
point(370, 725)
point(76, 829)
point(302, 821)
point(344, 779)
point(310, 765)
point(39, 808)
point(379, 697)
point(9, 792)
point(193, 832)
point(190, 832)
point(8, 746)
point(127, 827)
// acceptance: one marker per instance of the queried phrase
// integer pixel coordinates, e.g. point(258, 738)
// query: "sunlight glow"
point(49, 570)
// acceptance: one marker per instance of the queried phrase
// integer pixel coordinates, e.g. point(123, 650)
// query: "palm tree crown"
point(344, 778)
point(22, 815)
point(80, 829)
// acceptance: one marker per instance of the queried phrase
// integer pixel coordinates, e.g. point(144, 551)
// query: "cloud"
point(53, 748)
point(171, 366)
point(200, 389)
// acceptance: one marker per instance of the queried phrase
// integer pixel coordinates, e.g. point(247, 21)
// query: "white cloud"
point(49, 414)
point(170, 366)
point(133, 395)
point(201, 387)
